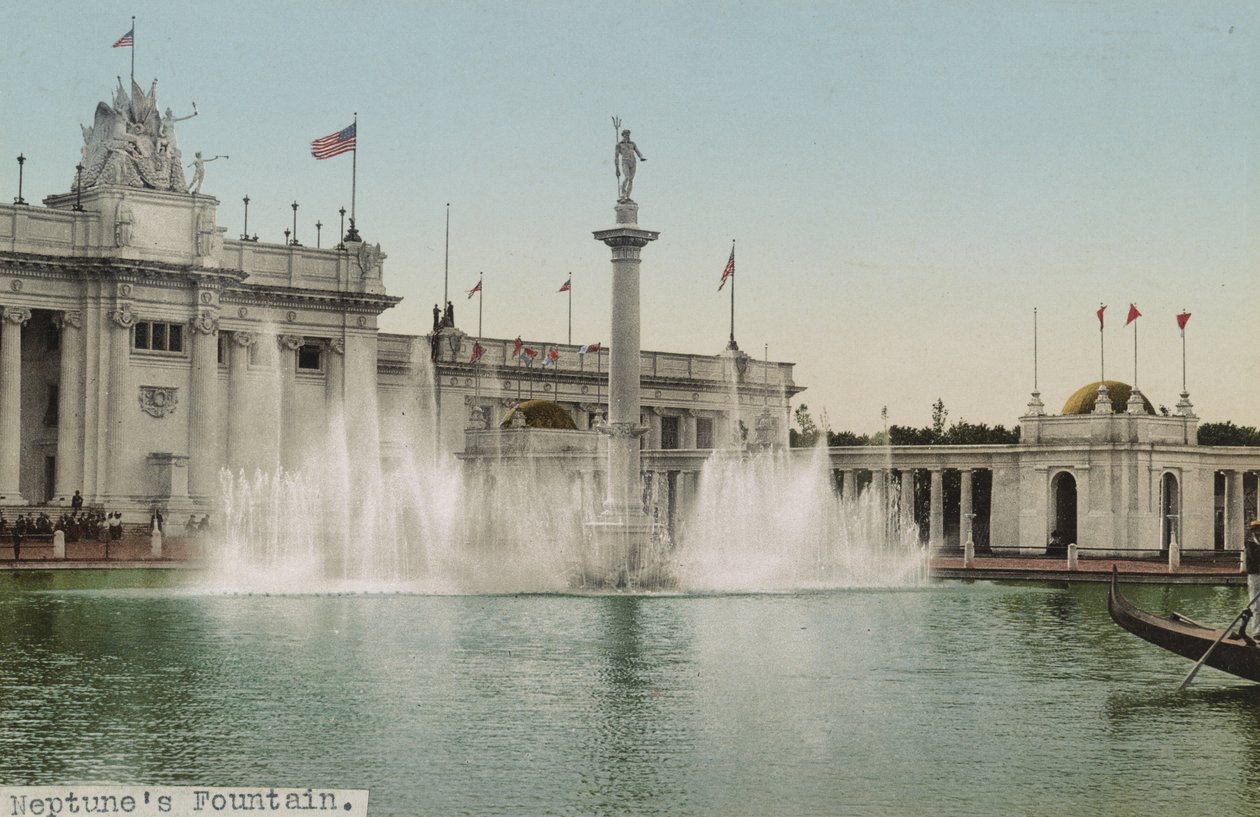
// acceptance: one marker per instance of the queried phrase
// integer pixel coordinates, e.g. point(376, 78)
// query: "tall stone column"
point(1234, 510)
point(936, 530)
point(121, 321)
point(907, 498)
point(70, 405)
point(335, 377)
point(289, 434)
point(848, 484)
point(624, 500)
point(204, 443)
point(12, 319)
point(688, 430)
point(965, 507)
point(239, 398)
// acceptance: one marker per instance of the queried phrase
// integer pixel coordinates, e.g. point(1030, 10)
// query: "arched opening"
point(1063, 501)
point(1170, 510)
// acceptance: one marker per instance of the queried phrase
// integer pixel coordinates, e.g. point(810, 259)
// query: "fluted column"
point(848, 484)
point(70, 405)
point(936, 530)
point(13, 319)
point(239, 397)
point(688, 430)
point(121, 321)
point(204, 443)
point(290, 435)
point(335, 377)
point(965, 507)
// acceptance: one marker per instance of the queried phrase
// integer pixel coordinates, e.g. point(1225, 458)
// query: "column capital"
point(123, 317)
point(290, 342)
point(206, 323)
point(17, 314)
point(242, 337)
point(70, 317)
point(337, 345)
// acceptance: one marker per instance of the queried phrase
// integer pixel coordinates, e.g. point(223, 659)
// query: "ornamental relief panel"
point(158, 401)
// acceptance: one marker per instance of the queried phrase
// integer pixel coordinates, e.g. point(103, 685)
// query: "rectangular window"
point(222, 349)
point(156, 336)
point(308, 357)
point(704, 432)
point(669, 433)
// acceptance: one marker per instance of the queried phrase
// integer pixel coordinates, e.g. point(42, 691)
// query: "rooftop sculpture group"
point(131, 144)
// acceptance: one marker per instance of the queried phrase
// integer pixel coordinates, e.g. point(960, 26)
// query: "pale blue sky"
point(906, 181)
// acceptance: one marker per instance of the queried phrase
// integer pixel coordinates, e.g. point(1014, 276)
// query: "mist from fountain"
point(426, 522)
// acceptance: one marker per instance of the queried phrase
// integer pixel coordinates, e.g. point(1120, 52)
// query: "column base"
point(625, 551)
point(12, 499)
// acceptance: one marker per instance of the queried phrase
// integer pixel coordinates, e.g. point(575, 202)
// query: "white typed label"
point(178, 801)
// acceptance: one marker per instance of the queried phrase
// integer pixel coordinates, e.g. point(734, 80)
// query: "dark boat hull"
point(1185, 638)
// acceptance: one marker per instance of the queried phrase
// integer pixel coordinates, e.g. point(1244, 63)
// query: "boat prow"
point(1184, 637)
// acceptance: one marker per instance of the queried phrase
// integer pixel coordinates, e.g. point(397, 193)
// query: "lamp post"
point(245, 231)
point(295, 209)
point(341, 245)
point(21, 162)
point(286, 235)
point(78, 188)
point(318, 227)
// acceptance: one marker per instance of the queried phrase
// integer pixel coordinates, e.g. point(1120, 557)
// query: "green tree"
point(808, 434)
point(939, 415)
point(1227, 433)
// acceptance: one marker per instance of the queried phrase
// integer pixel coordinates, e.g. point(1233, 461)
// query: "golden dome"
point(1083, 399)
point(540, 414)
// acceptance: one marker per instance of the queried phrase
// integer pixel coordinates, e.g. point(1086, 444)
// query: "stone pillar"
point(290, 435)
point(1234, 510)
point(907, 498)
point(204, 443)
point(70, 405)
point(936, 530)
point(688, 440)
point(966, 513)
point(12, 319)
point(238, 397)
point(121, 321)
point(335, 378)
point(848, 484)
point(624, 499)
point(654, 424)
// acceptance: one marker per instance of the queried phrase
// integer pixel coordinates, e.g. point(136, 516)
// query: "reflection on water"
point(977, 699)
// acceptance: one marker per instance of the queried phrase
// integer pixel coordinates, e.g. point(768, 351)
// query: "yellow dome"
point(1083, 399)
point(540, 414)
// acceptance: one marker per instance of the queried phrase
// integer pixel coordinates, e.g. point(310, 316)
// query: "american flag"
point(566, 286)
point(334, 143)
point(474, 290)
point(589, 349)
point(127, 40)
point(729, 272)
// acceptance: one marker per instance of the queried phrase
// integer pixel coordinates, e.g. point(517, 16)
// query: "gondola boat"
point(1186, 638)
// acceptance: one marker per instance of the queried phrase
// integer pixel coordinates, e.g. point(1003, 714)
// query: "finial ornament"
point(626, 157)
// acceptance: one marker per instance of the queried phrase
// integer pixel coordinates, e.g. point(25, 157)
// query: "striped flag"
point(729, 272)
point(334, 144)
point(1182, 320)
point(590, 347)
point(568, 285)
point(516, 347)
point(127, 40)
point(551, 357)
point(474, 290)
point(530, 354)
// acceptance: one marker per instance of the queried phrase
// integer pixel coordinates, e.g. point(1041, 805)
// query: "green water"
point(976, 699)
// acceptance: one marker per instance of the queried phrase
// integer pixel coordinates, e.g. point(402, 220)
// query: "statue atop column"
point(625, 159)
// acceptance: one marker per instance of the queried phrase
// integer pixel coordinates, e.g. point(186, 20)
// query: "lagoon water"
point(978, 699)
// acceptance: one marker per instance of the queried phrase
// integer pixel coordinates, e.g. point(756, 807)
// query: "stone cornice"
point(334, 300)
point(13, 263)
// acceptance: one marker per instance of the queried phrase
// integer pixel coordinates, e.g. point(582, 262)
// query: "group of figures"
point(132, 145)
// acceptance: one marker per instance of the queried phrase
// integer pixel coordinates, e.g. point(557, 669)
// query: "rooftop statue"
point(130, 144)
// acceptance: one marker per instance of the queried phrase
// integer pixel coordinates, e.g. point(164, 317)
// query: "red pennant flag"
point(1182, 320)
point(475, 289)
point(589, 348)
point(530, 354)
point(516, 346)
point(478, 351)
point(567, 286)
point(729, 272)
point(553, 355)
point(1133, 314)
point(1101, 310)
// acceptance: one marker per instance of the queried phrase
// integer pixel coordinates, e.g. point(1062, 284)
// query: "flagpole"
point(1183, 356)
point(446, 264)
point(1034, 349)
point(1135, 325)
point(732, 344)
point(354, 176)
point(570, 309)
point(1102, 348)
point(481, 295)
point(133, 50)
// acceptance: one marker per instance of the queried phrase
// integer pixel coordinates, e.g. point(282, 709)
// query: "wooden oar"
point(1195, 669)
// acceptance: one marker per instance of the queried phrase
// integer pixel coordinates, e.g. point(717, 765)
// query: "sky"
point(905, 182)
